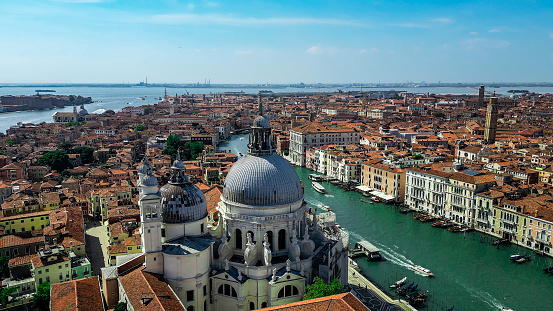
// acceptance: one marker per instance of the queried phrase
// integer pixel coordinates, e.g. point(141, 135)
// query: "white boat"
point(318, 187)
point(315, 177)
point(326, 207)
point(399, 283)
point(423, 271)
point(241, 138)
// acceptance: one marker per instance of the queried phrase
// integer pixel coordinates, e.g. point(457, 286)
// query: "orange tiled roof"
point(340, 302)
point(81, 295)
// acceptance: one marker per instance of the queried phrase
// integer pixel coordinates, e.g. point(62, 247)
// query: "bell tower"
point(149, 203)
point(491, 121)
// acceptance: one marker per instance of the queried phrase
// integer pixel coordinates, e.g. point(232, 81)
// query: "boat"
point(398, 283)
point(318, 187)
point(455, 229)
point(515, 257)
point(325, 207)
point(315, 177)
point(142, 98)
point(523, 259)
point(405, 210)
point(423, 271)
point(241, 138)
point(442, 224)
point(506, 309)
point(500, 242)
point(450, 309)
point(548, 270)
point(426, 218)
point(362, 200)
point(375, 199)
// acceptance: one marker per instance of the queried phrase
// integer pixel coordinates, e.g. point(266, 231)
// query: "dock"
point(365, 248)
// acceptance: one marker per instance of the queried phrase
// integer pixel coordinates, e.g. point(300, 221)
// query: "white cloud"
point(551, 35)
point(80, 1)
point(476, 44)
point(315, 50)
point(243, 52)
point(494, 30)
point(473, 33)
point(443, 20)
point(191, 6)
point(211, 4)
point(190, 18)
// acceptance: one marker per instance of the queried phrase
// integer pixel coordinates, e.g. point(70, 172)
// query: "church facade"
point(264, 249)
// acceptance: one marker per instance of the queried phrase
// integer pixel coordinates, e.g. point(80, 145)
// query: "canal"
point(470, 273)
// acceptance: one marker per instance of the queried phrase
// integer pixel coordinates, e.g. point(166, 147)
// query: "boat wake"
point(484, 296)
point(329, 195)
point(395, 257)
point(99, 111)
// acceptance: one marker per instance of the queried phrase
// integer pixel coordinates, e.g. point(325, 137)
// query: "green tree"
point(321, 289)
point(4, 268)
point(139, 128)
point(173, 143)
point(57, 160)
point(439, 114)
point(41, 299)
point(10, 143)
point(87, 154)
point(5, 293)
point(148, 111)
point(67, 146)
point(193, 149)
point(120, 307)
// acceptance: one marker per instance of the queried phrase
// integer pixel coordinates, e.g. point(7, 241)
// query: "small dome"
point(83, 111)
point(261, 122)
point(182, 203)
point(148, 181)
point(264, 181)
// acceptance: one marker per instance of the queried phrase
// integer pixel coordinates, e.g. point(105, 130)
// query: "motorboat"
point(515, 257)
point(315, 177)
point(318, 187)
point(423, 271)
point(399, 283)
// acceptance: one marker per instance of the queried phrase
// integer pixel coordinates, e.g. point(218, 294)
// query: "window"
point(27, 250)
point(190, 308)
point(252, 305)
point(129, 248)
point(264, 305)
point(190, 295)
point(39, 271)
point(48, 279)
point(227, 290)
point(85, 270)
point(61, 276)
point(205, 290)
point(32, 219)
point(162, 232)
point(40, 281)
point(282, 239)
point(287, 291)
point(202, 228)
point(238, 236)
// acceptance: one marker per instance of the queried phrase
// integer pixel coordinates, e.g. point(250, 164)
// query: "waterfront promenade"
point(371, 295)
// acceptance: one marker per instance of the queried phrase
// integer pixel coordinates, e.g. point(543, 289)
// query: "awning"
point(382, 195)
point(364, 188)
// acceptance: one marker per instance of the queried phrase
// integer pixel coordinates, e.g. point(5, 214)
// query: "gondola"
point(398, 283)
point(548, 270)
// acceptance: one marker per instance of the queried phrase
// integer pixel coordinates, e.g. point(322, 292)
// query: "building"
point(384, 178)
point(267, 250)
point(343, 302)
point(491, 121)
point(77, 295)
point(311, 135)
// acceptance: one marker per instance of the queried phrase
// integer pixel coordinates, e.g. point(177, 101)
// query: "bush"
point(321, 289)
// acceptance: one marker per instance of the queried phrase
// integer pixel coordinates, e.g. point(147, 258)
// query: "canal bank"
point(469, 275)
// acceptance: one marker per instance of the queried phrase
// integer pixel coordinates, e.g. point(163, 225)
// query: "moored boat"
point(423, 271)
point(315, 177)
point(362, 200)
point(399, 283)
point(318, 187)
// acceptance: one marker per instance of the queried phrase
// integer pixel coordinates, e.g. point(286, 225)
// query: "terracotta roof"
point(139, 284)
point(82, 295)
point(340, 302)
point(11, 240)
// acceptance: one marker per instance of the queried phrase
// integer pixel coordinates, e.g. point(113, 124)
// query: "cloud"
point(473, 33)
point(410, 25)
point(443, 20)
point(190, 18)
point(80, 1)
point(476, 44)
point(211, 4)
point(551, 35)
point(243, 52)
point(494, 30)
point(191, 6)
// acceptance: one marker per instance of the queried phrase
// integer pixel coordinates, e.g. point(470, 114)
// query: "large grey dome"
point(262, 181)
point(182, 203)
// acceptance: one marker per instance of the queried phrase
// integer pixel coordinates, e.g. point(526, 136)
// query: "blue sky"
point(110, 41)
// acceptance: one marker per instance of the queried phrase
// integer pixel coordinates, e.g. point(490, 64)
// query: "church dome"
point(181, 201)
point(83, 111)
point(147, 177)
point(261, 122)
point(262, 181)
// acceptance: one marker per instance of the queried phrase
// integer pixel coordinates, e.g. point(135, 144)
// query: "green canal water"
point(470, 273)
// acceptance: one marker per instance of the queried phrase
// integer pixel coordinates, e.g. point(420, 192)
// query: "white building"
point(267, 250)
point(311, 135)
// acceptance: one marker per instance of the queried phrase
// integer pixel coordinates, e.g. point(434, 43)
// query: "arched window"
point(227, 290)
point(263, 305)
point(190, 308)
point(270, 238)
point(238, 236)
point(252, 305)
point(288, 291)
point(282, 239)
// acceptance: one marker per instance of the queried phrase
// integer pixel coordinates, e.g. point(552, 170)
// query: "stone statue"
point(294, 251)
point(274, 275)
point(227, 265)
point(306, 234)
point(239, 275)
point(267, 254)
point(302, 271)
point(288, 262)
point(249, 252)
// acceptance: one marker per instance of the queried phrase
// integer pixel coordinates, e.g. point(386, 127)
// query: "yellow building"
point(130, 245)
point(384, 178)
point(25, 222)
point(51, 266)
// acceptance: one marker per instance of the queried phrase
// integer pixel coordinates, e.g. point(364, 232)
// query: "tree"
point(173, 143)
point(122, 306)
point(439, 114)
point(41, 299)
point(6, 292)
point(4, 268)
point(57, 160)
point(67, 146)
point(148, 111)
point(139, 128)
point(193, 149)
point(87, 153)
point(321, 289)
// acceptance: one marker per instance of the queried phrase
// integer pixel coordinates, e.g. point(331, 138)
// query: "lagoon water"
point(470, 273)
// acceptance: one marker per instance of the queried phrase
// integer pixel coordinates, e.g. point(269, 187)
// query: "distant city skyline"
point(279, 42)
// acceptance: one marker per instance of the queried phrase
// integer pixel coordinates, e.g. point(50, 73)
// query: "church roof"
point(186, 245)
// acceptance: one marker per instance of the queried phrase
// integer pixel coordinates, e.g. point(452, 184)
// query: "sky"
point(171, 41)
